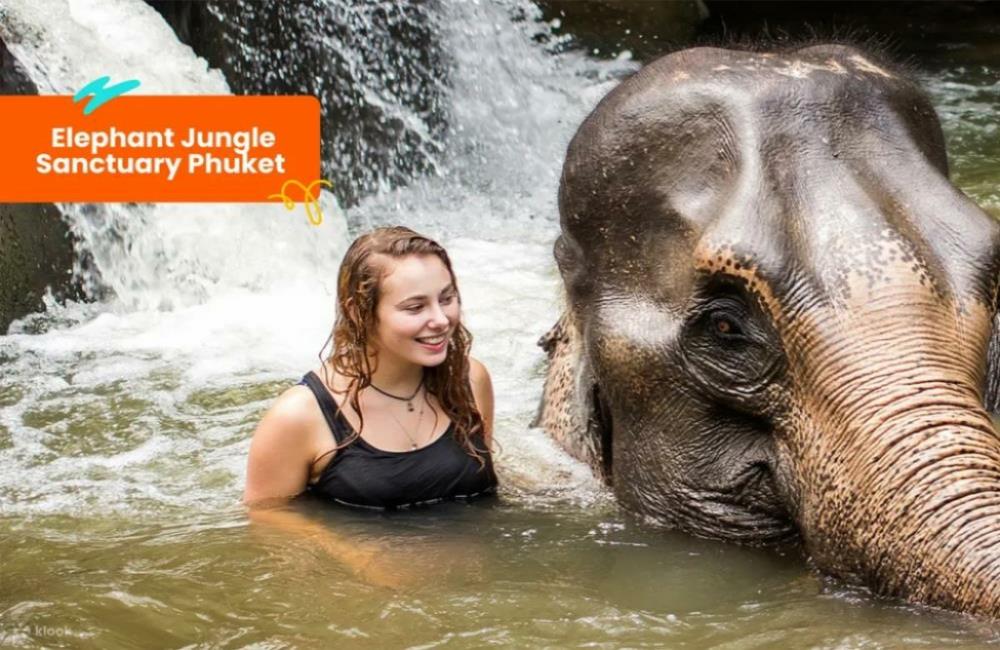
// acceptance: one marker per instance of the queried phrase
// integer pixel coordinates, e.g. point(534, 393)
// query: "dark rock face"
point(606, 27)
point(36, 253)
point(13, 79)
point(377, 70)
point(958, 31)
point(36, 247)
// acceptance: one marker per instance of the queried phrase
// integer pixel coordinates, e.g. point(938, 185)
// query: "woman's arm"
point(281, 455)
point(370, 562)
point(381, 563)
point(281, 451)
point(482, 390)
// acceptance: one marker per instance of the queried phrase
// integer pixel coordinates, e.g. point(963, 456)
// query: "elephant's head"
point(779, 318)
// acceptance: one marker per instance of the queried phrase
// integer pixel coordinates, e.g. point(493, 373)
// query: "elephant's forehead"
point(719, 135)
point(835, 86)
point(691, 130)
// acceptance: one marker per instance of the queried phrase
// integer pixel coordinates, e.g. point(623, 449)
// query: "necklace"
point(420, 418)
point(408, 400)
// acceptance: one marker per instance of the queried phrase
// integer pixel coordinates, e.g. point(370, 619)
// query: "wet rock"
point(13, 79)
point(36, 254)
point(934, 32)
point(605, 28)
point(37, 249)
point(377, 69)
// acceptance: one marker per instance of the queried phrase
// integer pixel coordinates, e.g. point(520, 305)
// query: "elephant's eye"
point(725, 326)
point(731, 350)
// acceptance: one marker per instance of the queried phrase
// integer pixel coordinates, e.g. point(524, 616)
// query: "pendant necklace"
point(408, 400)
point(420, 418)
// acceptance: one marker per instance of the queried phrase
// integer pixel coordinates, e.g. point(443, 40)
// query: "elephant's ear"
point(991, 392)
point(572, 411)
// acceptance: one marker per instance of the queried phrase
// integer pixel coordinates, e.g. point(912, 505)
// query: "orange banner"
point(157, 149)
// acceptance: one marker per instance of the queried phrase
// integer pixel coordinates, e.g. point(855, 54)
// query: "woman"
point(398, 414)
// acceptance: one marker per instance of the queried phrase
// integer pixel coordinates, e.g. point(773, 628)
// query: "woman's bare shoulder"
point(478, 374)
point(294, 415)
point(283, 446)
point(482, 390)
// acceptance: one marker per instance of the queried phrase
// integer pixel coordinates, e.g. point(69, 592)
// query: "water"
point(124, 425)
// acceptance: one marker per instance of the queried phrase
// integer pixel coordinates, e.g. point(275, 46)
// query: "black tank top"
point(365, 476)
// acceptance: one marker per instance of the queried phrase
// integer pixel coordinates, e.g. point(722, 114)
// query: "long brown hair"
point(359, 285)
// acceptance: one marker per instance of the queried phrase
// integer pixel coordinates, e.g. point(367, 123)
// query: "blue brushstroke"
point(102, 92)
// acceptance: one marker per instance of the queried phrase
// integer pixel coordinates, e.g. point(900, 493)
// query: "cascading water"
point(124, 424)
point(378, 70)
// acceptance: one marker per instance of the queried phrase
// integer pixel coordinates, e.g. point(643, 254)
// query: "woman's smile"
point(435, 343)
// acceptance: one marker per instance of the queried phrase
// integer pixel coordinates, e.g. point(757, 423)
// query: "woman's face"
point(417, 311)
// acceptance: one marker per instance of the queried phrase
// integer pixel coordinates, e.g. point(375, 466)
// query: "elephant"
point(779, 321)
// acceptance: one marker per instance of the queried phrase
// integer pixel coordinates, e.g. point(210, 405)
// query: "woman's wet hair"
point(359, 287)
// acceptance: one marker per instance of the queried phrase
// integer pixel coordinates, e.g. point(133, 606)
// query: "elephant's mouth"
point(749, 510)
point(717, 517)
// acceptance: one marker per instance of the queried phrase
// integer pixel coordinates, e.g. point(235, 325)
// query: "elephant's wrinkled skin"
point(779, 317)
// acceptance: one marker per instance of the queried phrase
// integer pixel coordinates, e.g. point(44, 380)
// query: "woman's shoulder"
point(283, 445)
point(294, 414)
point(478, 374)
point(482, 392)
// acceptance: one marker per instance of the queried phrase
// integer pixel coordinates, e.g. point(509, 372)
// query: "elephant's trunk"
point(901, 488)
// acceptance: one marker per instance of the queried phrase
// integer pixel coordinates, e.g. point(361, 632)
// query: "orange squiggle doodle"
point(310, 200)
